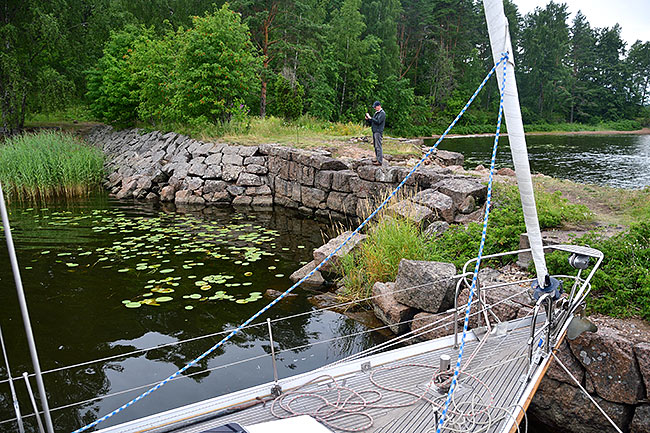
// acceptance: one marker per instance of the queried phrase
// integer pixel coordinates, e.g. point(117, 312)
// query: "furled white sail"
point(500, 42)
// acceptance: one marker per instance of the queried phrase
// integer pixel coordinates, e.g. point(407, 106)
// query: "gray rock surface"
point(420, 215)
point(315, 281)
point(442, 204)
point(388, 310)
point(428, 286)
point(458, 189)
point(325, 250)
point(566, 408)
point(610, 364)
point(429, 326)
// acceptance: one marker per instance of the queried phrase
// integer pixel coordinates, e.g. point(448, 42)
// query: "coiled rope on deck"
point(317, 268)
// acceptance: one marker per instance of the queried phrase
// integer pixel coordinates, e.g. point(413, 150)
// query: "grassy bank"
point(391, 239)
point(621, 287)
point(48, 164)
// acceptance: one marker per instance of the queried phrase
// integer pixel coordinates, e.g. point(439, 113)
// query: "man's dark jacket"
point(378, 121)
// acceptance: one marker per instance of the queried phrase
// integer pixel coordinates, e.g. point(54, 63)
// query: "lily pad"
point(189, 307)
point(166, 271)
point(133, 305)
point(164, 299)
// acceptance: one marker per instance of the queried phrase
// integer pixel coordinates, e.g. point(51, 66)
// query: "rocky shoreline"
point(613, 364)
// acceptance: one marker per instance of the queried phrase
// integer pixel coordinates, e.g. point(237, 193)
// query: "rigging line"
point(480, 252)
point(208, 370)
point(585, 392)
point(373, 349)
point(318, 267)
point(19, 420)
point(125, 391)
point(176, 343)
point(424, 329)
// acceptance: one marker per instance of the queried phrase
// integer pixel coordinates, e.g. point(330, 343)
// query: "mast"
point(500, 44)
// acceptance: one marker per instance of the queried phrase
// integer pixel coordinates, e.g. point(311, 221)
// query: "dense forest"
point(195, 61)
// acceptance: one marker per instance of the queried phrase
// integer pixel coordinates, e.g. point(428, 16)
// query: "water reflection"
point(621, 161)
point(78, 315)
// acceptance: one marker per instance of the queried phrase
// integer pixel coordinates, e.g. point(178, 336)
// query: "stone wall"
point(613, 365)
point(174, 168)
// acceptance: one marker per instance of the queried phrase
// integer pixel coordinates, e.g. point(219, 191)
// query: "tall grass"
point(37, 167)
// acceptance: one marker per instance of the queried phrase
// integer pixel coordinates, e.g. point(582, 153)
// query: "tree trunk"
point(263, 99)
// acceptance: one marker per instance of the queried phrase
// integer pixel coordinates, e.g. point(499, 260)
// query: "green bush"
point(621, 287)
point(153, 66)
point(112, 91)
point(288, 98)
point(203, 74)
point(48, 164)
point(217, 67)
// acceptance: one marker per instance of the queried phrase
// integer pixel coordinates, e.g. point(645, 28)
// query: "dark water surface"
point(98, 275)
point(621, 161)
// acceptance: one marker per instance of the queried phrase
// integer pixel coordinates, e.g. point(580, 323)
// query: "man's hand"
point(368, 116)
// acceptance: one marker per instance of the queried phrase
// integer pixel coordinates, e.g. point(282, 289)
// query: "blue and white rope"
point(320, 265)
point(454, 380)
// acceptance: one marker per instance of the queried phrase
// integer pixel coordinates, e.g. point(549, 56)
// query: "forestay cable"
point(457, 368)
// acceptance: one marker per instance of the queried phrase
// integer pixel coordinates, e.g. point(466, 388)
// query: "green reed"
point(40, 166)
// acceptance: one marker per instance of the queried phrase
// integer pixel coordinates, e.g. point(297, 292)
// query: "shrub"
point(112, 91)
point(203, 74)
point(621, 287)
point(47, 164)
point(217, 67)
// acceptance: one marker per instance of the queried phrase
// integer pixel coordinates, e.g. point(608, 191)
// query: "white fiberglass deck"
point(395, 385)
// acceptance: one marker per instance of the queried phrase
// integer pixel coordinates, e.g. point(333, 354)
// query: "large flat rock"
point(459, 188)
point(325, 250)
point(315, 281)
point(420, 215)
point(429, 326)
point(442, 204)
point(428, 286)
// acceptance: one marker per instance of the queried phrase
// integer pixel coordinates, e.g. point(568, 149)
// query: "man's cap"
point(376, 104)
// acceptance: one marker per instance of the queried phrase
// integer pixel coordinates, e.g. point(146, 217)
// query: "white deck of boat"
point(493, 377)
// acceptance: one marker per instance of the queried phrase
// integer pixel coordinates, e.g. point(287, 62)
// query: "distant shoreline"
point(642, 131)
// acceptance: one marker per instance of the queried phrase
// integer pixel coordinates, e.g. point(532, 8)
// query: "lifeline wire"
point(585, 392)
point(408, 336)
point(320, 265)
point(454, 381)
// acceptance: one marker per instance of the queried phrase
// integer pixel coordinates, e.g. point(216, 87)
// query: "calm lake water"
point(621, 161)
point(103, 278)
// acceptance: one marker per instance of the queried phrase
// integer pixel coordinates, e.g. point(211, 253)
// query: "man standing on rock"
point(377, 122)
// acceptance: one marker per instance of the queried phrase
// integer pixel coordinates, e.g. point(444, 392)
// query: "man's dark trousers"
point(378, 121)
